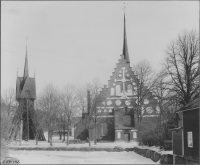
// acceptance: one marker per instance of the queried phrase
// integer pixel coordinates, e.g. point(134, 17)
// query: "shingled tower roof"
point(25, 86)
point(125, 45)
point(26, 66)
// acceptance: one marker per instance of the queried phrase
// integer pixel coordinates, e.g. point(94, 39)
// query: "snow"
point(77, 157)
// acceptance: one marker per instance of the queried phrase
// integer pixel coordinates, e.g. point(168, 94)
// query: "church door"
point(126, 137)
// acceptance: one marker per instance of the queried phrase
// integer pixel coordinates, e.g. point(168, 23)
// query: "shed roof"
point(192, 105)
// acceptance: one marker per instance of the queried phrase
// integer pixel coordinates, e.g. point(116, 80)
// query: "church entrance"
point(127, 137)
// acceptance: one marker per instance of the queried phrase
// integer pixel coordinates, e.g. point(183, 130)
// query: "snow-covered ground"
point(77, 157)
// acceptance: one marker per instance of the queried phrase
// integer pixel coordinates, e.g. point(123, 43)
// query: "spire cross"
point(125, 4)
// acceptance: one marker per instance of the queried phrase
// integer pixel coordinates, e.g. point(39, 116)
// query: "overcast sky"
point(75, 42)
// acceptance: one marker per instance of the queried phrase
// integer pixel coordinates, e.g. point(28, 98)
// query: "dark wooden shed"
point(186, 136)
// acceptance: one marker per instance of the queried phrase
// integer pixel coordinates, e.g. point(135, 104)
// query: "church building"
point(118, 104)
point(25, 96)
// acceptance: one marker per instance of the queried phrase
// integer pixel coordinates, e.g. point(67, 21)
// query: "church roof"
point(125, 44)
point(26, 74)
point(25, 88)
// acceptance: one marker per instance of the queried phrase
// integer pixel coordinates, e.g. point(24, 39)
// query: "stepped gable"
point(122, 86)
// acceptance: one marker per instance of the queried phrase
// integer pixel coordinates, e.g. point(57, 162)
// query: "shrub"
point(118, 149)
point(5, 124)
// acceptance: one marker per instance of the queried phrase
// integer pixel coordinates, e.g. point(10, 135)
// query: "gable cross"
point(123, 80)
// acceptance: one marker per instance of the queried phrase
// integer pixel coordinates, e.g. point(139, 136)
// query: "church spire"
point(26, 63)
point(125, 45)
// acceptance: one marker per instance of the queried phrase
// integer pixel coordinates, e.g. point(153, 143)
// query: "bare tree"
point(82, 99)
point(49, 103)
point(69, 106)
point(161, 90)
point(95, 118)
point(144, 84)
point(38, 118)
point(9, 100)
point(182, 67)
point(165, 105)
point(4, 131)
point(8, 108)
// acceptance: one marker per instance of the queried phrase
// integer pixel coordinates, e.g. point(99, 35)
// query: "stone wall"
point(164, 158)
point(155, 156)
point(184, 160)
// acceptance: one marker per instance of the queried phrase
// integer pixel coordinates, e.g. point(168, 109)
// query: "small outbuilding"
point(185, 137)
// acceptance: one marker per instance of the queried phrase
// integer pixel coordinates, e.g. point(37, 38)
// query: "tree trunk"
point(95, 134)
point(48, 136)
point(63, 133)
point(36, 138)
point(67, 134)
point(60, 133)
point(51, 135)
point(89, 137)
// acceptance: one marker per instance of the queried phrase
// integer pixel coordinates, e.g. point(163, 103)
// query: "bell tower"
point(25, 96)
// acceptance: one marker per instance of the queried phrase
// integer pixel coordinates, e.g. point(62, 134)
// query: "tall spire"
point(125, 45)
point(26, 63)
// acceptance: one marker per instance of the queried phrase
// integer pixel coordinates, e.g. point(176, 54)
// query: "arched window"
point(112, 91)
point(134, 135)
point(127, 120)
point(118, 90)
point(129, 89)
point(118, 135)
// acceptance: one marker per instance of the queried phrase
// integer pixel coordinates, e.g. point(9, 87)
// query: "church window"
point(134, 135)
point(129, 89)
point(118, 135)
point(118, 90)
point(112, 91)
point(127, 120)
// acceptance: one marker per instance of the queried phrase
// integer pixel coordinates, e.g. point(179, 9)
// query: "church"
point(118, 104)
point(23, 123)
